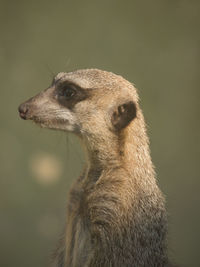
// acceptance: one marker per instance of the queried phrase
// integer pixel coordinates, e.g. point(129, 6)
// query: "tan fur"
point(116, 212)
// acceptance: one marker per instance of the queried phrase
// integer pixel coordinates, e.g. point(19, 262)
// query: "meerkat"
point(116, 214)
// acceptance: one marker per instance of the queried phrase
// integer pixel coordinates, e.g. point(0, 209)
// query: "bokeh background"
point(155, 45)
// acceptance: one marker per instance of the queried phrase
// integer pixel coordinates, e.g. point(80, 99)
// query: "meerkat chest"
point(78, 239)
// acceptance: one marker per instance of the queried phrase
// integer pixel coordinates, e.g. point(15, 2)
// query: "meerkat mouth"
point(49, 123)
point(38, 121)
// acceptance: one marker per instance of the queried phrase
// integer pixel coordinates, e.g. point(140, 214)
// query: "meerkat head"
point(87, 102)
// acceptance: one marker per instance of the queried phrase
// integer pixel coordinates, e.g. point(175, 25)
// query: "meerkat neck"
point(134, 147)
point(103, 153)
point(129, 150)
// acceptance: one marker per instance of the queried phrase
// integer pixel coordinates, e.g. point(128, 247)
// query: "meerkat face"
point(85, 102)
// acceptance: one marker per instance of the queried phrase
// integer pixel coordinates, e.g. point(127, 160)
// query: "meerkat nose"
point(23, 109)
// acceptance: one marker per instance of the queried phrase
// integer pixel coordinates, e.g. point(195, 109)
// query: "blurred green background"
point(155, 45)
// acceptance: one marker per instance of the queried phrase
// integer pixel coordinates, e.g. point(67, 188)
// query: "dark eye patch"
point(69, 94)
point(67, 91)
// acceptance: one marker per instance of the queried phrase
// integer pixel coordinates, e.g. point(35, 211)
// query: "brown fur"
point(116, 213)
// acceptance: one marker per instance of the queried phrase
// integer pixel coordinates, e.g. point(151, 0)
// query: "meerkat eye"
point(67, 91)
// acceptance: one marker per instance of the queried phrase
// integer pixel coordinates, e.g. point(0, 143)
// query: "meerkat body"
point(116, 213)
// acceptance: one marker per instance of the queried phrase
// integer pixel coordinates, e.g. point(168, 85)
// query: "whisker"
point(53, 74)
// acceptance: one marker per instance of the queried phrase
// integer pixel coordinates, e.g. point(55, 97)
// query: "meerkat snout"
point(23, 109)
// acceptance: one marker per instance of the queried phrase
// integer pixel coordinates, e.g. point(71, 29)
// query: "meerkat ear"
point(123, 115)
